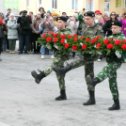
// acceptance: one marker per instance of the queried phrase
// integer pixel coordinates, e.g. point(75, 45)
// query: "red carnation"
point(123, 46)
point(69, 36)
point(74, 47)
point(93, 40)
point(43, 35)
point(124, 40)
point(106, 41)
point(75, 35)
point(84, 46)
point(55, 34)
point(82, 37)
point(117, 42)
point(110, 46)
point(75, 39)
point(98, 37)
point(55, 40)
point(98, 45)
point(62, 36)
point(88, 40)
point(66, 45)
point(48, 39)
point(62, 41)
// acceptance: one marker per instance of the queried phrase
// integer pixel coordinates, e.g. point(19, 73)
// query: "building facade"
point(64, 5)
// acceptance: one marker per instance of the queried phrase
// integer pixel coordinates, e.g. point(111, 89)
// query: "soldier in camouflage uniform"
point(90, 29)
point(58, 61)
point(114, 61)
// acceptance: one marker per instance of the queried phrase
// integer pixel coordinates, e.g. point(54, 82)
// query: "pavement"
point(25, 103)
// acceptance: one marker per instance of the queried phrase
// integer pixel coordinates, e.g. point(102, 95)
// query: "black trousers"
point(1, 43)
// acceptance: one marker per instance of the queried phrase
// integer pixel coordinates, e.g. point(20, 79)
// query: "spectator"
point(36, 31)
point(123, 20)
point(47, 26)
point(98, 17)
point(24, 23)
point(107, 26)
point(42, 12)
point(2, 28)
point(73, 24)
point(12, 33)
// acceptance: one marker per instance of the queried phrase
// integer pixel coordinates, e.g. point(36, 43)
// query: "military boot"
point(62, 96)
point(115, 106)
point(91, 100)
point(38, 77)
point(63, 70)
point(91, 81)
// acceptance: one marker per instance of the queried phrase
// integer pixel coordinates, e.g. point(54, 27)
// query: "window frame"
point(54, 4)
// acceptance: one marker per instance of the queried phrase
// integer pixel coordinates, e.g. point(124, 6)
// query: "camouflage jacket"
point(59, 53)
point(91, 32)
point(112, 57)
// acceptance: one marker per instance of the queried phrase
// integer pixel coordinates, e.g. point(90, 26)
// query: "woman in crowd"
point(36, 31)
point(12, 33)
point(107, 26)
point(48, 26)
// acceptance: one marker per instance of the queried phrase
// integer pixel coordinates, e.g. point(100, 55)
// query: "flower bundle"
point(66, 43)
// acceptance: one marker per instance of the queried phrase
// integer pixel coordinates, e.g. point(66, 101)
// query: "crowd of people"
point(27, 28)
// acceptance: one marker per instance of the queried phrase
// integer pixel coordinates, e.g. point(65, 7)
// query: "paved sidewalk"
point(24, 103)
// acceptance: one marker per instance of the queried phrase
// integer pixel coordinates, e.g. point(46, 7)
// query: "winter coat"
point(12, 29)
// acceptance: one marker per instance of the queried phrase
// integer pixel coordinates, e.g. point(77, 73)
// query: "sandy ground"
point(24, 103)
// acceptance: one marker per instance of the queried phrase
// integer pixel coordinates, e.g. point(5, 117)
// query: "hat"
point(98, 12)
point(117, 23)
point(63, 18)
point(89, 13)
point(24, 11)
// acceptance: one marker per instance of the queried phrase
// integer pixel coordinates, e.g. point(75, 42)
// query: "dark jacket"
point(24, 25)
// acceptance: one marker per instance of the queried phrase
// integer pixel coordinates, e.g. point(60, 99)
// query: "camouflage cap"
point(89, 13)
point(117, 23)
point(63, 18)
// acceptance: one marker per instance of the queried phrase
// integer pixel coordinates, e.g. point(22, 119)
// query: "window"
point(89, 4)
point(124, 3)
point(74, 4)
point(40, 2)
point(54, 4)
point(118, 3)
point(27, 2)
point(106, 5)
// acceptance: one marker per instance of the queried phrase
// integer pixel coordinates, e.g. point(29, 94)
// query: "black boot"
point(38, 77)
point(91, 100)
point(63, 70)
point(91, 81)
point(62, 96)
point(115, 106)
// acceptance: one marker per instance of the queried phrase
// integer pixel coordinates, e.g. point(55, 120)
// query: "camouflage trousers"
point(57, 62)
point(110, 71)
point(89, 67)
